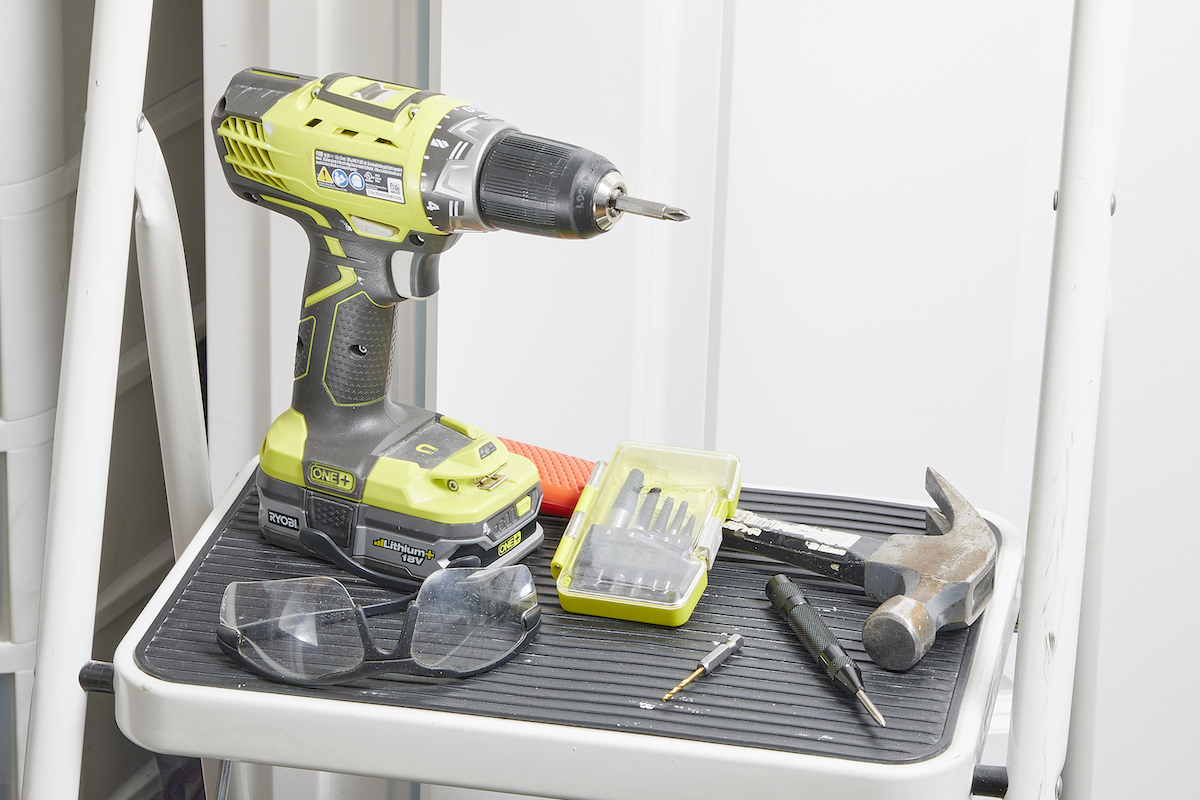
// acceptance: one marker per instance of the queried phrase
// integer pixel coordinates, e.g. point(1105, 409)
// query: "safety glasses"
point(309, 632)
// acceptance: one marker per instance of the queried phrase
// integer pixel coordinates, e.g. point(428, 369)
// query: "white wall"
point(874, 237)
point(574, 345)
point(1143, 725)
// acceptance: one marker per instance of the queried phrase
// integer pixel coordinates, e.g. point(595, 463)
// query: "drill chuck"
point(536, 185)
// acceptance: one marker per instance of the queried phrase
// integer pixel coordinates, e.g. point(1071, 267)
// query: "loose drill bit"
point(709, 662)
point(816, 637)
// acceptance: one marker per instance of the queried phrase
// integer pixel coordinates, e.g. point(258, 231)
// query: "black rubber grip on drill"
point(802, 618)
point(536, 185)
point(356, 371)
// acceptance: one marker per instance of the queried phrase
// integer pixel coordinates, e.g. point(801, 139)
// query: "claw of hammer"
point(928, 582)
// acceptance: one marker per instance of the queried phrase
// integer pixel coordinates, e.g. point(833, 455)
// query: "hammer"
point(924, 582)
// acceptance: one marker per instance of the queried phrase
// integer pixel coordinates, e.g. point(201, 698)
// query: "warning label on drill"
point(360, 176)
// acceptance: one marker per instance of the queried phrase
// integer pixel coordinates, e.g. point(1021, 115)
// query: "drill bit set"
point(645, 532)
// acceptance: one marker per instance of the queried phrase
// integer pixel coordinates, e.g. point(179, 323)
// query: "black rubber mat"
point(610, 674)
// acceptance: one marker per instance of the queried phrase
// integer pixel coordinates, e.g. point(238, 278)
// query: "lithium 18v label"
point(359, 176)
point(406, 553)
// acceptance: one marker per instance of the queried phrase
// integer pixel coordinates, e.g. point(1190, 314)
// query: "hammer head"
point(940, 580)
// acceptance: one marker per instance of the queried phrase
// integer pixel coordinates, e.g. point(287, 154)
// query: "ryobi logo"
point(282, 520)
point(332, 477)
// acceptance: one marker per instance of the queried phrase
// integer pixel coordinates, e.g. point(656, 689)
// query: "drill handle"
point(343, 347)
point(354, 279)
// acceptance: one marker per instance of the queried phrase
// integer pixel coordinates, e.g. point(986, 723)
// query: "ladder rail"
point(170, 342)
point(1069, 406)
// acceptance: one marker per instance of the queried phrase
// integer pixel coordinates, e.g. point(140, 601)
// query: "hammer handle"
point(837, 554)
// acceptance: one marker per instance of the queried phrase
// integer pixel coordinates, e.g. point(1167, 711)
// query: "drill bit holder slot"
point(645, 533)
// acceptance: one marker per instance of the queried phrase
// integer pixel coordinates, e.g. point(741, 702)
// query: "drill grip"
point(343, 355)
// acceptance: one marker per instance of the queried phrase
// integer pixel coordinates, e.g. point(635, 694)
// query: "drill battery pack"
point(445, 495)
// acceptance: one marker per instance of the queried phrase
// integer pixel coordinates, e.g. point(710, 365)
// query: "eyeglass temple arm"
point(322, 546)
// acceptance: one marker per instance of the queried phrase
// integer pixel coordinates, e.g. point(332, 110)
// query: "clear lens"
point(469, 619)
point(301, 628)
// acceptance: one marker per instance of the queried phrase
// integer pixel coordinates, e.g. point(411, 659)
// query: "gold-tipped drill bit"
point(709, 662)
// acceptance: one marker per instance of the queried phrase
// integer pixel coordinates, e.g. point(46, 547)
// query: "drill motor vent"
point(248, 152)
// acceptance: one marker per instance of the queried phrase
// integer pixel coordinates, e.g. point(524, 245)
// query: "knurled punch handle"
point(820, 642)
point(812, 631)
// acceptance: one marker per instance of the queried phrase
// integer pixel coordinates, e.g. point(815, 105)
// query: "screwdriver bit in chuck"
point(820, 642)
point(648, 208)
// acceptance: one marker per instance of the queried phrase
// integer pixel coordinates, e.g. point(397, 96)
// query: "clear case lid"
point(648, 525)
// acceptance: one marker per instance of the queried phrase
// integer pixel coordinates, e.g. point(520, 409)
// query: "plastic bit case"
point(645, 532)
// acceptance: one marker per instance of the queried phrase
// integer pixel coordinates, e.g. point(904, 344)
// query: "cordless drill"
point(383, 179)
